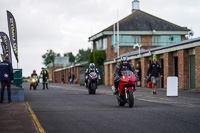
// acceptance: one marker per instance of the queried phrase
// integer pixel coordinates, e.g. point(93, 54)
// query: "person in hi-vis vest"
point(45, 77)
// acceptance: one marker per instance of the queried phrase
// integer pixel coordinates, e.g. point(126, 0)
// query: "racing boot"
point(115, 91)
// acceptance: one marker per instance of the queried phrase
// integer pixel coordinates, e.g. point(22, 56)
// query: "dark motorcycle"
point(92, 83)
point(126, 89)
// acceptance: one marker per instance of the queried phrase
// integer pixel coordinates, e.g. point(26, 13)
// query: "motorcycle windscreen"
point(127, 73)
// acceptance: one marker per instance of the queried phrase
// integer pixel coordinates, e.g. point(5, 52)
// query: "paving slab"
point(15, 118)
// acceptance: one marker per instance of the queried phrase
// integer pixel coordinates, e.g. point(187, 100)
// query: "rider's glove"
point(118, 78)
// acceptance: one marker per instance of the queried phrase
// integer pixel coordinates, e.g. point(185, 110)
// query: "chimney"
point(135, 6)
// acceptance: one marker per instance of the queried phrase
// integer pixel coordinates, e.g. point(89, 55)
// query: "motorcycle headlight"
point(33, 80)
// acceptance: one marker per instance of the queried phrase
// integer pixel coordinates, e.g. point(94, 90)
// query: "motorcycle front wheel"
point(93, 88)
point(130, 98)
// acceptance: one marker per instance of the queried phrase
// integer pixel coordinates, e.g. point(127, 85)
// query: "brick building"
point(75, 69)
point(59, 62)
point(180, 59)
point(137, 28)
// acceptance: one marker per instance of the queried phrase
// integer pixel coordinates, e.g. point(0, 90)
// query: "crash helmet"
point(124, 59)
point(34, 71)
point(92, 66)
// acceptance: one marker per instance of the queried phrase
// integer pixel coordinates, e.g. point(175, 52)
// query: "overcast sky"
point(65, 25)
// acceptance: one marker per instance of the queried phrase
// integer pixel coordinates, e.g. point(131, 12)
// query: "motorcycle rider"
point(89, 70)
point(122, 66)
point(34, 74)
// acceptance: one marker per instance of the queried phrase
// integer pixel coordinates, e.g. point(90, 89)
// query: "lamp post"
point(137, 45)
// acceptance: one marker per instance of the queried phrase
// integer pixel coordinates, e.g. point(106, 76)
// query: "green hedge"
point(97, 57)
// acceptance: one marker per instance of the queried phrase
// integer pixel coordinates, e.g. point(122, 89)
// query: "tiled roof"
point(142, 21)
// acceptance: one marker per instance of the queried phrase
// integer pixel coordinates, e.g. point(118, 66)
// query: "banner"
point(6, 45)
point(13, 33)
point(2, 56)
point(3, 47)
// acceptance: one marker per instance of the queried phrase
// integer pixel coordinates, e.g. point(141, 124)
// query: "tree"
point(49, 57)
point(58, 55)
point(99, 56)
point(90, 60)
point(83, 55)
point(71, 56)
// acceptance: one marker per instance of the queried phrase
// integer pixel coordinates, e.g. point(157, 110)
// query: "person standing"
point(45, 77)
point(154, 71)
point(72, 78)
point(6, 78)
point(62, 79)
point(138, 70)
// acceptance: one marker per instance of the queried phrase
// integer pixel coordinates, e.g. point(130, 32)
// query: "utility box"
point(17, 77)
point(172, 86)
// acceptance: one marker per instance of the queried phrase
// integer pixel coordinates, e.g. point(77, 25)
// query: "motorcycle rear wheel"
point(120, 102)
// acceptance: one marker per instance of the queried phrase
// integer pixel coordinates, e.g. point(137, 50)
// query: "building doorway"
point(192, 71)
point(176, 66)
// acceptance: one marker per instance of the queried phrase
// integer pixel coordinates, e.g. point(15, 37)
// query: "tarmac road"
point(66, 108)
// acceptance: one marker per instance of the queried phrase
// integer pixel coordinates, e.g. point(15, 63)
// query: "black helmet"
point(92, 66)
point(124, 59)
point(34, 71)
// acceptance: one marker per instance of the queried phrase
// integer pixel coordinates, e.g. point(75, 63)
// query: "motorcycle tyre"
point(93, 88)
point(120, 103)
point(130, 98)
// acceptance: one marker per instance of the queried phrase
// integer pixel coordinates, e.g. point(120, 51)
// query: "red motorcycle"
point(126, 89)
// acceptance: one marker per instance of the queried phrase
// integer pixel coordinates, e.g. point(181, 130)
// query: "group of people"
point(154, 70)
point(45, 76)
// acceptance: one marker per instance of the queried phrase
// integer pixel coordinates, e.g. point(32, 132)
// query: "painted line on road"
point(154, 101)
point(38, 125)
point(56, 86)
point(166, 101)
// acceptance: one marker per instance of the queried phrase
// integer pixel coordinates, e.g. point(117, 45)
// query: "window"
point(115, 42)
point(170, 39)
point(165, 40)
point(105, 43)
point(136, 39)
point(156, 40)
point(100, 44)
point(176, 38)
point(126, 40)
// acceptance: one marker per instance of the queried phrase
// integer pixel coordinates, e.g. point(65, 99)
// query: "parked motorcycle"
point(126, 89)
point(34, 82)
point(92, 83)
